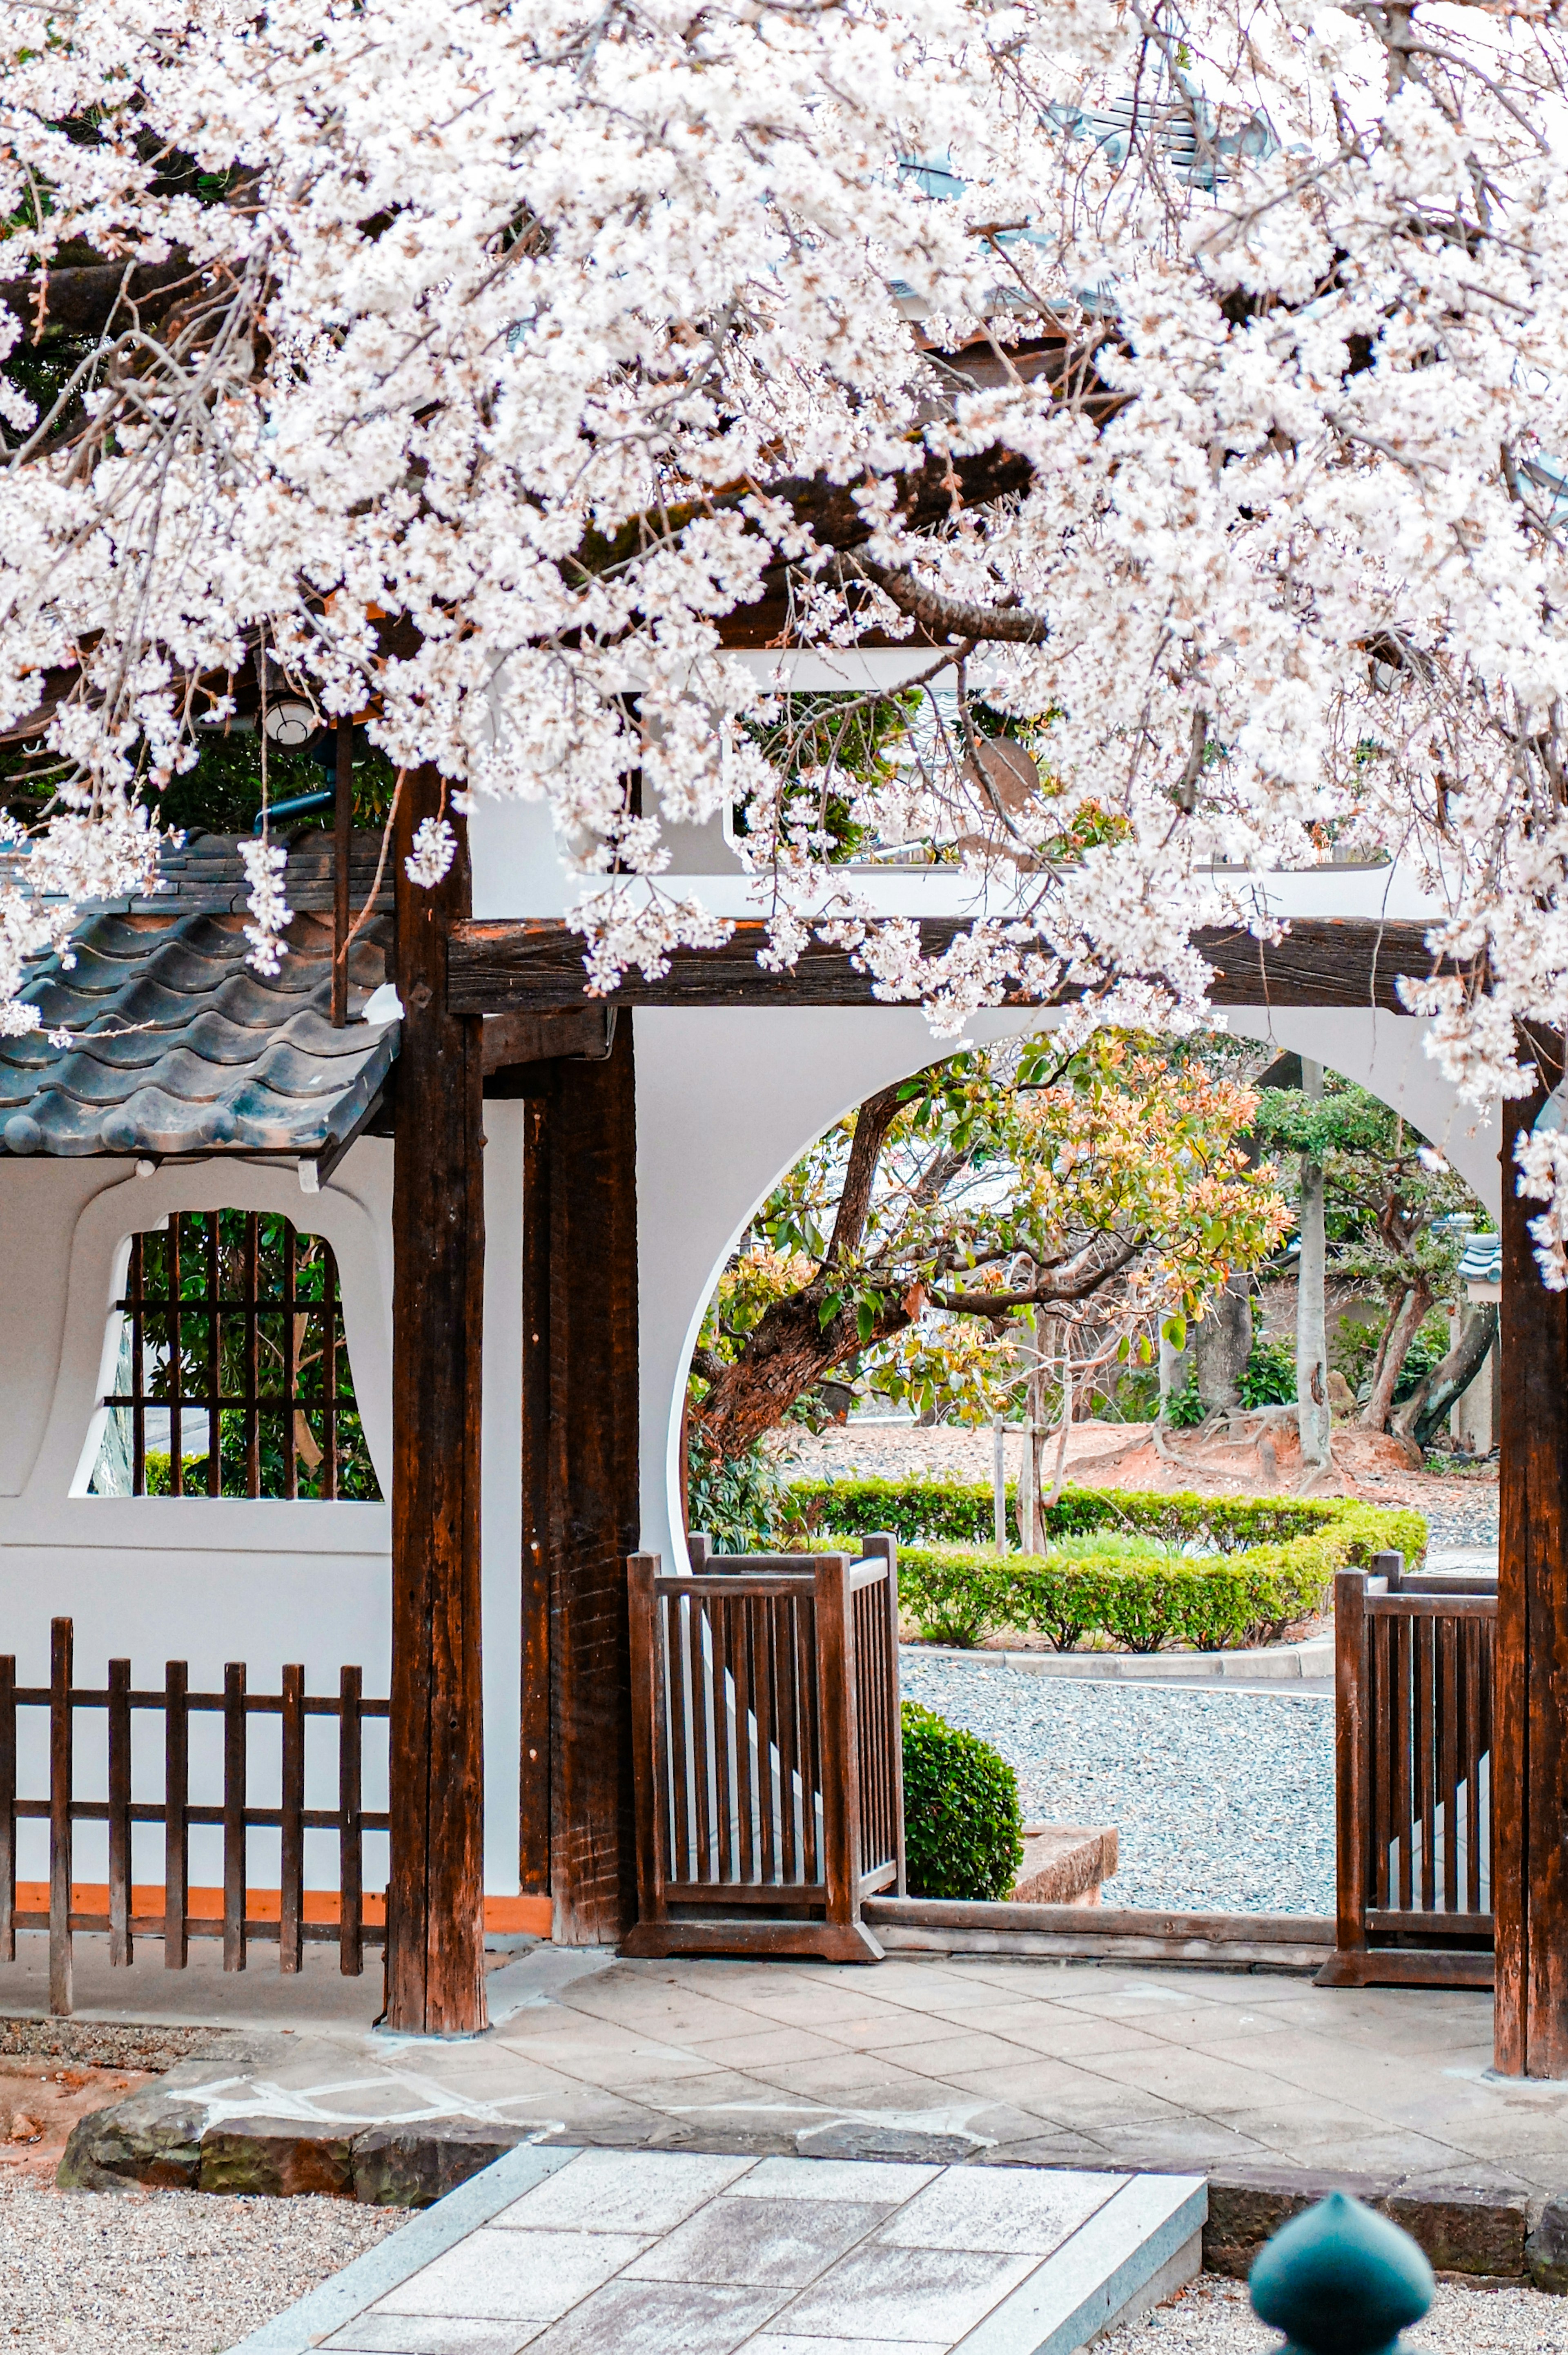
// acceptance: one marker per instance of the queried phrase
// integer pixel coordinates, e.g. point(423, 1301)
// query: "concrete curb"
point(1268, 1664)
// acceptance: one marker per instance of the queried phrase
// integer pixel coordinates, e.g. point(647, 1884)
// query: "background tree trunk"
point(1313, 1417)
point(1403, 1327)
point(1426, 1408)
point(1223, 1346)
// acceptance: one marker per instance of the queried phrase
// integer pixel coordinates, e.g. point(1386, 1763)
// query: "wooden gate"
point(767, 1752)
point(181, 1912)
point(1414, 1773)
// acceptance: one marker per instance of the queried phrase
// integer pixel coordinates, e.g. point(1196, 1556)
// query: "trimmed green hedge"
point(963, 1833)
point(959, 1512)
point(1275, 1564)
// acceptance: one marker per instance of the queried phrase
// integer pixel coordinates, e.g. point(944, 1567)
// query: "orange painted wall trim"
point(503, 1916)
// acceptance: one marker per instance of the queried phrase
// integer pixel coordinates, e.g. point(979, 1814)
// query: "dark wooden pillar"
point(581, 1513)
point(435, 1937)
point(1529, 1756)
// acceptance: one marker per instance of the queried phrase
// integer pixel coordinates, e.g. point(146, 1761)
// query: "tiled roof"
point(1482, 1259)
point(177, 1045)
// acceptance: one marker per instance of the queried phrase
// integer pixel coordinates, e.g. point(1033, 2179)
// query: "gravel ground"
point(1213, 2318)
point(1225, 1802)
point(1471, 1520)
point(110, 2044)
point(90, 2274)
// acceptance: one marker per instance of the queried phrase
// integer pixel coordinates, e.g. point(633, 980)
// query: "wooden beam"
point(585, 1030)
point(581, 1511)
point(535, 966)
point(435, 1928)
point(1530, 1748)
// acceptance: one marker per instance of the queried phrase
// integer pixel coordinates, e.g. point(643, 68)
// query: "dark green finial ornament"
point(1340, 2281)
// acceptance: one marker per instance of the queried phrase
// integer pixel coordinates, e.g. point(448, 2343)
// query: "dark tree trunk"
point(785, 1355)
point(1426, 1408)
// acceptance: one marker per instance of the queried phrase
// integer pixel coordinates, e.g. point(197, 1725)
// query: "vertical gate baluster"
point(350, 1830)
point(60, 1661)
point(234, 1730)
point(177, 1800)
point(119, 1811)
point(291, 1832)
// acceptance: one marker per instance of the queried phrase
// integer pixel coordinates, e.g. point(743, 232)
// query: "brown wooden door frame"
point(1530, 1758)
point(434, 1941)
point(581, 1508)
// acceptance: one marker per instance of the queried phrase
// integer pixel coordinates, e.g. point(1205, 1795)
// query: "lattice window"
point(233, 1377)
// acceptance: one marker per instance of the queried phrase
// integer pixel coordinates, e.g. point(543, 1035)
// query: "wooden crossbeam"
point(538, 966)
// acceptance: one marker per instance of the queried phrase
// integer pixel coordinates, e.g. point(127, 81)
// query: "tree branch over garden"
point(495, 368)
point(999, 1191)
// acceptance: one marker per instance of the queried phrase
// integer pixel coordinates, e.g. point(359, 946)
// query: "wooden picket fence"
point(768, 1753)
point(1413, 1742)
point(178, 1922)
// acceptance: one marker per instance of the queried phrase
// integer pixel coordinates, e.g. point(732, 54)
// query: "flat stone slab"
point(660, 2252)
point(1065, 1864)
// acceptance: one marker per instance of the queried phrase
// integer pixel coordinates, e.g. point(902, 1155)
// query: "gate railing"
point(179, 1920)
point(768, 1761)
point(1414, 1757)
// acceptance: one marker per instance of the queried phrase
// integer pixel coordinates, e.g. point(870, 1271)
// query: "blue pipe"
point(292, 808)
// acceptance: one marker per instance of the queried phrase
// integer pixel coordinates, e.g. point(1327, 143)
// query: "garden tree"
point(485, 365)
point(1095, 1192)
point(1313, 1415)
point(1388, 1201)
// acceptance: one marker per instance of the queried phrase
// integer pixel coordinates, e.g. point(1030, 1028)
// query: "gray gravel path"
point(1224, 1801)
point(92, 2273)
point(1471, 1520)
point(1213, 2318)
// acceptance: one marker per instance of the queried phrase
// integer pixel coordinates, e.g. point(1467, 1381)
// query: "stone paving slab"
point(659, 2253)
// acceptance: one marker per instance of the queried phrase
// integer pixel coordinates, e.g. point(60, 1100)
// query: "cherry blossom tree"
point(1190, 379)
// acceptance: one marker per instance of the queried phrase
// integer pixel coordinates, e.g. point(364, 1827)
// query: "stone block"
point(147, 2139)
point(1247, 2207)
point(1546, 2249)
point(277, 2158)
point(415, 2165)
point(1463, 2230)
point(1063, 1864)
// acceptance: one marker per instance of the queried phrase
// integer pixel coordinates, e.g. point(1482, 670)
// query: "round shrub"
point(963, 1834)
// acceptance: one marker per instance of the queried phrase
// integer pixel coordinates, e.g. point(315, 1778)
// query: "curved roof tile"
point(177, 1045)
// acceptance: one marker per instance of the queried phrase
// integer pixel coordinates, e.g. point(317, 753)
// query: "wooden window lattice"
point(219, 1331)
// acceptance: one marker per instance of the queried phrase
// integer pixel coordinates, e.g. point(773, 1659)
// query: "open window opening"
point(232, 1376)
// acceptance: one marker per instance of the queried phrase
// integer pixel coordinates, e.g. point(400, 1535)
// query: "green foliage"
point(920, 1512)
point(1269, 1378)
point(740, 1503)
point(963, 1832)
point(222, 794)
point(1429, 1348)
point(1184, 1409)
point(1140, 1597)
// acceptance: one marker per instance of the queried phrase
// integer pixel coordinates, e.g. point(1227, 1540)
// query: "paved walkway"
point(650, 2253)
point(919, 2058)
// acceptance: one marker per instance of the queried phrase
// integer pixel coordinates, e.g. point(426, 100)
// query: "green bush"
point(963, 1833)
point(1143, 1600)
point(950, 1512)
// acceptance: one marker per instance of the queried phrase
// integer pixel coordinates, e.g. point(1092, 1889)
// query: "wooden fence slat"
point(234, 1779)
point(176, 1807)
point(351, 1830)
point(1352, 1831)
point(119, 1948)
point(7, 1809)
point(835, 1646)
point(291, 1831)
point(61, 1728)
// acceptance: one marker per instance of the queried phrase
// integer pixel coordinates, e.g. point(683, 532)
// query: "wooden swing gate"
point(234, 1914)
point(767, 1752)
point(1415, 1794)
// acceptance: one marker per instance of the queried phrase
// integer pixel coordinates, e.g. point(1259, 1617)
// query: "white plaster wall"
point(209, 1580)
point(727, 1099)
